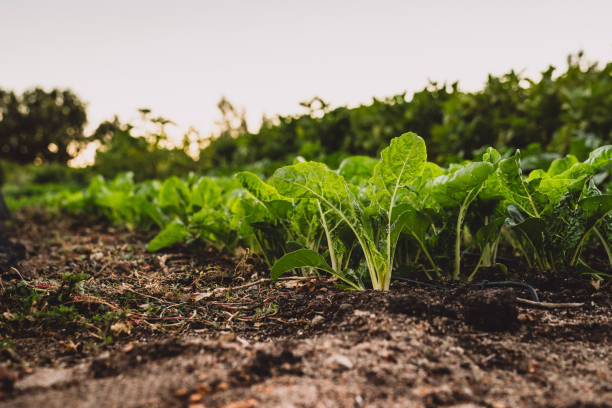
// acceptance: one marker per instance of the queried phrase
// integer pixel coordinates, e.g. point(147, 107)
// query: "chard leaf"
point(457, 192)
point(206, 193)
point(534, 232)
point(146, 207)
point(451, 191)
point(174, 232)
point(214, 226)
point(311, 180)
point(314, 181)
point(305, 258)
point(555, 188)
point(491, 155)
point(401, 163)
point(600, 157)
point(261, 190)
point(174, 195)
point(516, 190)
point(594, 209)
point(558, 166)
point(357, 169)
point(266, 194)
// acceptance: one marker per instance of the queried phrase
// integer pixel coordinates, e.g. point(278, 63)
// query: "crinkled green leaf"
point(174, 194)
point(206, 193)
point(558, 166)
point(400, 165)
point(516, 190)
point(357, 169)
point(451, 191)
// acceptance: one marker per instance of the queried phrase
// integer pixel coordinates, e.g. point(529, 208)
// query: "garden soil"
point(198, 327)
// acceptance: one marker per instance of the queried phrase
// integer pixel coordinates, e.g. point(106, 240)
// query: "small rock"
point(317, 320)
point(96, 256)
point(195, 397)
point(338, 361)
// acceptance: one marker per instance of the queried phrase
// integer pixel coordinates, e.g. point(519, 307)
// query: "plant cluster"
point(561, 112)
point(370, 216)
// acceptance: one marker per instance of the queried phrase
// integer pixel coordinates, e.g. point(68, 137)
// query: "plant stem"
point(605, 245)
point(330, 244)
point(457, 269)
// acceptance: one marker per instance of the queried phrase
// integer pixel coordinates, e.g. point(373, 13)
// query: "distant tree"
point(41, 126)
point(223, 148)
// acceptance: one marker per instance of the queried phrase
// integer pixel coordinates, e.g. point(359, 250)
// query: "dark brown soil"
point(201, 328)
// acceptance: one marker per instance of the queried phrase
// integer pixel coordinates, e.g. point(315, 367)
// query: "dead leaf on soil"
point(120, 327)
point(199, 296)
point(162, 262)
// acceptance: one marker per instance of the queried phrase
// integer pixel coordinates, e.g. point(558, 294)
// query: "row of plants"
point(563, 111)
point(369, 217)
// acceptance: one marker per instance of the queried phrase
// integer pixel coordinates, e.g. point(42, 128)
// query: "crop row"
point(371, 216)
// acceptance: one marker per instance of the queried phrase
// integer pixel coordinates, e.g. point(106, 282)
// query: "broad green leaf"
point(303, 258)
point(257, 187)
point(315, 181)
point(516, 190)
point(596, 207)
point(174, 232)
point(357, 169)
point(311, 180)
point(558, 166)
point(300, 259)
point(491, 155)
point(123, 182)
point(555, 188)
point(266, 194)
point(451, 191)
point(215, 227)
point(400, 165)
point(402, 162)
point(206, 193)
point(537, 174)
point(600, 157)
point(174, 194)
point(457, 191)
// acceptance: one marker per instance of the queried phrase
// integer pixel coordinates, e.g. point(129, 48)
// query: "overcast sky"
point(179, 57)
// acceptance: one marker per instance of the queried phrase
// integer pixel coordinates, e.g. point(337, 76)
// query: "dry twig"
point(546, 305)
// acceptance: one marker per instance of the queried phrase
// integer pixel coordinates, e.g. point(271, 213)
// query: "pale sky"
point(179, 57)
